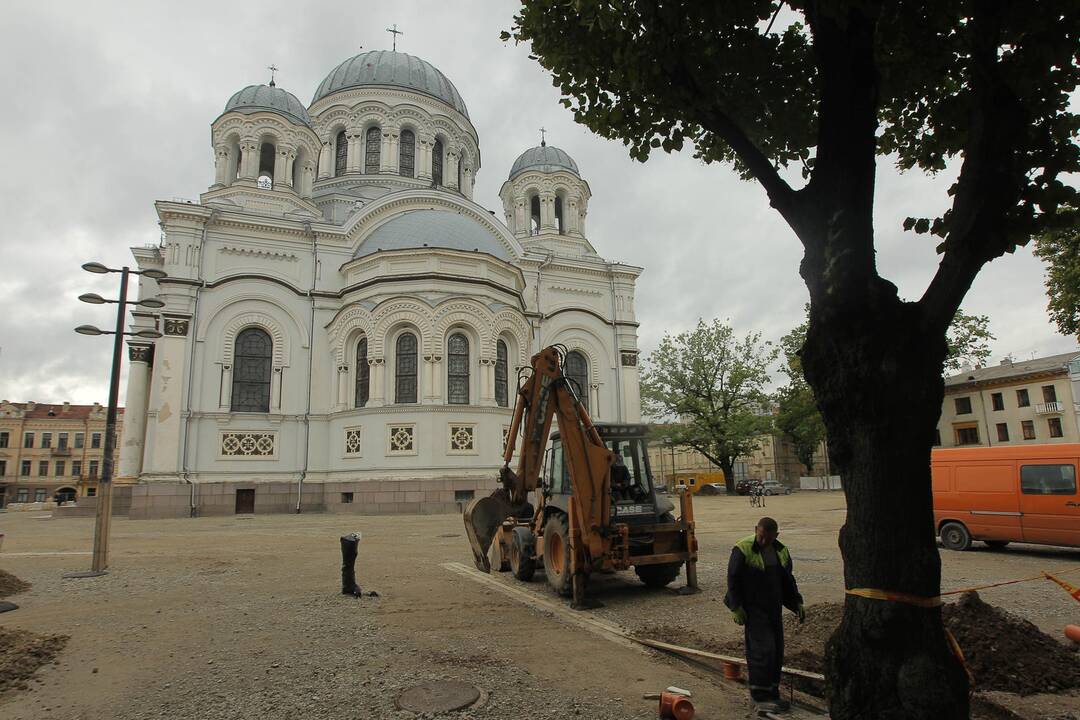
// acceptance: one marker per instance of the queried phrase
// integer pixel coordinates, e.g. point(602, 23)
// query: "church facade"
point(344, 324)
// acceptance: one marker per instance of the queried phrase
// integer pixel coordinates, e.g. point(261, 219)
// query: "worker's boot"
point(348, 565)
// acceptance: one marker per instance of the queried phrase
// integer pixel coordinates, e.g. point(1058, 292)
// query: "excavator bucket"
point(483, 516)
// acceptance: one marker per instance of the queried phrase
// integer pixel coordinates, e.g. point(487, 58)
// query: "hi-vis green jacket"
point(750, 583)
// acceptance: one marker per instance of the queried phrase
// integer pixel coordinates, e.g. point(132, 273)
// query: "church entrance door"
point(245, 502)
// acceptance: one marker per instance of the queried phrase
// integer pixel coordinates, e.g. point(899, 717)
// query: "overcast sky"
point(109, 106)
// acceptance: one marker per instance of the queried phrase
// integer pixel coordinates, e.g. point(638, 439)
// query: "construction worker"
point(760, 584)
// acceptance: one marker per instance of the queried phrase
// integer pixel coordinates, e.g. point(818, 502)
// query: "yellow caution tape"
point(906, 598)
point(1072, 590)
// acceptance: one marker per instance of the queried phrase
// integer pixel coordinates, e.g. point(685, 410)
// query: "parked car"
point(774, 487)
point(743, 487)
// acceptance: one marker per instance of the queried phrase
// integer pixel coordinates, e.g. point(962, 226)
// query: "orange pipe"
point(1073, 633)
point(675, 707)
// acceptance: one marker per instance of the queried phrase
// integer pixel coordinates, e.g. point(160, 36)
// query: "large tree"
point(711, 385)
point(1060, 248)
point(827, 86)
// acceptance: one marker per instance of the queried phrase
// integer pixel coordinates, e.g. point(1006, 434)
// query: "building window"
point(405, 369)
point(1048, 479)
point(1003, 432)
point(341, 154)
point(1028, 426)
point(62, 441)
point(3, 439)
point(534, 215)
point(346, 498)
point(93, 468)
point(91, 492)
point(502, 393)
point(39, 494)
point(577, 372)
point(1055, 425)
point(25, 469)
point(3, 468)
point(998, 401)
point(363, 373)
point(407, 154)
point(457, 369)
point(76, 468)
point(353, 443)
point(963, 405)
point(1022, 399)
point(22, 495)
point(28, 440)
point(1049, 393)
point(967, 436)
point(46, 439)
point(60, 468)
point(437, 163)
point(80, 440)
point(251, 371)
point(43, 468)
point(95, 441)
point(372, 149)
point(559, 215)
point(267, 154)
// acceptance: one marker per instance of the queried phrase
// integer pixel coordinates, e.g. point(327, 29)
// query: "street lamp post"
point(103, 518)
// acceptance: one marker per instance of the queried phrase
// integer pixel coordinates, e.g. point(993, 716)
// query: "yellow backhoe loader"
point(596, 508)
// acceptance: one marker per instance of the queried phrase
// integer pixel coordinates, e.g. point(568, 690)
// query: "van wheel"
point(996, 544)
point(955, 536)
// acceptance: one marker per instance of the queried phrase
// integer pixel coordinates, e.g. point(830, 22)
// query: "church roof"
point(261, 98)
point(436, 229)
point(386, 67)
point(545, 158)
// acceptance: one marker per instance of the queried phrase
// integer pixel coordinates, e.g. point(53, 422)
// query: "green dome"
point(386, 67)
point(544, 158)
point(268, 98)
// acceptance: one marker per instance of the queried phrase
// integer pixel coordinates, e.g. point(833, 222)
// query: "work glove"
point(739, 616)
point(801, 613)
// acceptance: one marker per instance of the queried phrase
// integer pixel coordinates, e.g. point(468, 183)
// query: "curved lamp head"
point(95, 267)
point(88, 330)
point(151, 303)
point(93, 299)
point(153, 274)
point(150, 334)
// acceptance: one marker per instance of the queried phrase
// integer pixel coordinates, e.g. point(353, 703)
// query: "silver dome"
point(263, 98)
point(544, 158)
point(386, 67)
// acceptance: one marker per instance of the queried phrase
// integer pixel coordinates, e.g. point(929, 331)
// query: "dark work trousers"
point(764, 652)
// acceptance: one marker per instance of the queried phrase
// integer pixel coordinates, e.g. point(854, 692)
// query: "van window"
point(1048, 479)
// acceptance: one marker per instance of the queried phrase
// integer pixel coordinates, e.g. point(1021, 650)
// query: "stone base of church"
point(159, 500)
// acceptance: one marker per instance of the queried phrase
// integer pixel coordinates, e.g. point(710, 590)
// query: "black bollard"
point(348, 565)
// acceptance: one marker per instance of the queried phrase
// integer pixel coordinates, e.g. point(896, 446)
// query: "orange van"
point(1021, 493)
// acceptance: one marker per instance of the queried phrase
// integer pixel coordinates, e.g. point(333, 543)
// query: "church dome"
point(544, 158)
point(386, 67)
point(434, 229)
point(268, 98)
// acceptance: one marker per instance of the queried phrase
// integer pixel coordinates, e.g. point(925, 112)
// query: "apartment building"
point(1012, 403)
point(774, 459)
point(51, 450)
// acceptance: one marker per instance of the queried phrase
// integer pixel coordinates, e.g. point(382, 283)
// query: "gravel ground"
point(239, 618)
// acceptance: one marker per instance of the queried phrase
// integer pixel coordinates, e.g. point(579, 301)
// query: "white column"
point(487, 382)
point(221, 166)
point(342, 387)
point(438, 371)
point(249, 159)
point(134, 433)
point(354, 159)
point(423, 156)
point(594, 400)
point(573, 219)
point(387, 158)
point(429, 397)
point(225, 391)
point(326, 161)
point(377, 397)
point(547, 212)
point(467, 178)
point(280, 174)
point(290, 162)
point(167, 396)
point(275, 390)
point(450, 170)
point(308, 179)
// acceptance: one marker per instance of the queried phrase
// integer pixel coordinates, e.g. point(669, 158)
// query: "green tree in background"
point(968, 340)
point(824, 87)
point(710, 387)
point(797, 413)
point(1060, 248)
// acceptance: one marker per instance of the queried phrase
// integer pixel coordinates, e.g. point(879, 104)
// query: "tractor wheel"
point(658, 576)
point(522, 555)
point(954, 536)
point(557, 554)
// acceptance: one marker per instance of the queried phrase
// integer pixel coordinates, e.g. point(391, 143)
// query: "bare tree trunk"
point(876, 370)
point(729, 475)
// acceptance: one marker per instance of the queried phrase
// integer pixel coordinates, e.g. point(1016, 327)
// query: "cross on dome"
point(273, 69)
point(394, 32)
point(543, 140)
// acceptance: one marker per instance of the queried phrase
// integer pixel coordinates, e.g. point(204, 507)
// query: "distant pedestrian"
point(760, 584)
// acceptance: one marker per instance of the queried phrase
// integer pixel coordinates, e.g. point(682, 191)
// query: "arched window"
point(407, 154)
point(341, 154)
point(251, 371)
point(457, 369)
point(502, 393)
point(405, 369)
point(266, 166)
point(461, 173)
point(372, 149)
point(363, 373)
point(534, 214)
point(577, 371)
point(558, 215)
point(437, 163)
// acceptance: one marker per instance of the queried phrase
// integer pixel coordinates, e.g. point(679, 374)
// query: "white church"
point(344, 324)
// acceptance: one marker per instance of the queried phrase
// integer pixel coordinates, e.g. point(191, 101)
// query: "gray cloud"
point(108, 108)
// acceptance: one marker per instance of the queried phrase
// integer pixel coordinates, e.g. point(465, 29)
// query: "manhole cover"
point(438, 697)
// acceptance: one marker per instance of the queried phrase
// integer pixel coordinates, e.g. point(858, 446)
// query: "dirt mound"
point(22, 653)
point(11, 585)
point(1006, 652)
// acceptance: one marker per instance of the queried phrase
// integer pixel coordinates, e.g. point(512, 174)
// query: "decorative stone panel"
point(248, 445)
point(629, 359)
point(353, 442)
point(401, 440)
point(461, 439)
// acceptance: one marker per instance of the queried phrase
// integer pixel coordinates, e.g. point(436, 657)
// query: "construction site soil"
point(240, 618)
